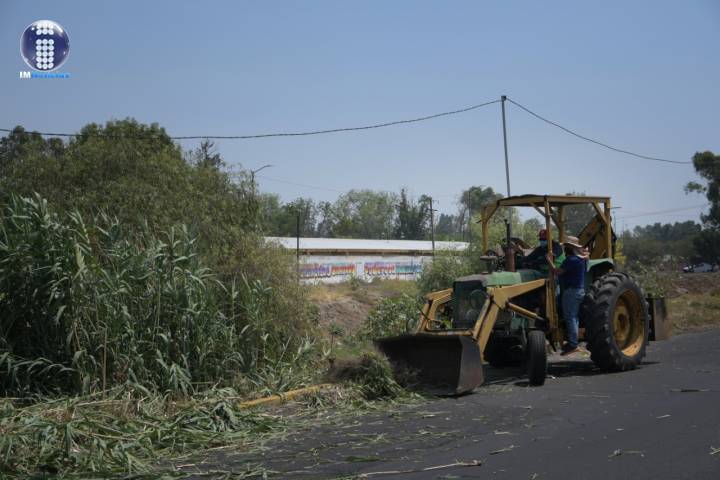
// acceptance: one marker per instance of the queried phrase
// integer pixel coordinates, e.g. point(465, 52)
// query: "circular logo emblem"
point(44, 45)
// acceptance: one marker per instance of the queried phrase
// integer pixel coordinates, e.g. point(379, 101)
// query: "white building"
point(334, 260)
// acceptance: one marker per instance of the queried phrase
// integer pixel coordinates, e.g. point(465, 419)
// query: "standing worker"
point(572, 287)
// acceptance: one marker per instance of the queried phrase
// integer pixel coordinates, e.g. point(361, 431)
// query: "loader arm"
point(499, 299)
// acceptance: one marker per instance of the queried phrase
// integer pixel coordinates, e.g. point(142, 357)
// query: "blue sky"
point(640, 75)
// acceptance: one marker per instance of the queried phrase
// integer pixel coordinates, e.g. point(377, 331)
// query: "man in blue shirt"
point(572, 287)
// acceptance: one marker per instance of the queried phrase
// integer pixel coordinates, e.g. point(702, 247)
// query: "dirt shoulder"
point(693, 301)
point(345, 306)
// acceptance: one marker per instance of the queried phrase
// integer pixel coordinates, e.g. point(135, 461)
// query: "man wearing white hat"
point(572, 286)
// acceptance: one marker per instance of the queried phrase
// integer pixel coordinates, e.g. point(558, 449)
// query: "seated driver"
point(536, 258)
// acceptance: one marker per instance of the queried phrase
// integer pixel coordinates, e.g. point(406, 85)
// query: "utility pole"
point(503, 99)
point(507, 164)
point(252, 178)
point(469, 224)
point(614, 219)
point(297, 244)
point(432, 225)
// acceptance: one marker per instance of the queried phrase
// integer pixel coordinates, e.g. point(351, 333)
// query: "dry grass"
point(372, 291)
point(693, 311)
point(343, 308)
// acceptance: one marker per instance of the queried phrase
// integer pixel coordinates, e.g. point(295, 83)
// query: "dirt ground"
point(694, 283)
point(693, 301)
point(346, 305)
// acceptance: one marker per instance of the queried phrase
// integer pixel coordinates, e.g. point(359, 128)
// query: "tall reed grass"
point(85, 306)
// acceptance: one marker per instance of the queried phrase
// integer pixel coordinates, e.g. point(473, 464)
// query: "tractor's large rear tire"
point(617, 322)
point(536, 357)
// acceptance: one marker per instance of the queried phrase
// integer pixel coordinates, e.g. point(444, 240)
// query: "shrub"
point(652, 280)
point(445, 268)
point(392, 316)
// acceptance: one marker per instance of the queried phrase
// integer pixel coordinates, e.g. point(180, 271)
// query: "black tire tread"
point(598, 308)
point(537, 357)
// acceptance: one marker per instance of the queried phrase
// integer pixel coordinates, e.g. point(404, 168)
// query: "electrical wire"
point(660, 212)
point(267, 135)
point(597, 142)
point(236, 174)
point(365, 127)
point(328, 189)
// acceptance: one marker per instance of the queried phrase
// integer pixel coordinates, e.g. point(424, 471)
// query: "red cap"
point(542, 234)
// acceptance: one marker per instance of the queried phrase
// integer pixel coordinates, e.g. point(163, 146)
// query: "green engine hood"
point(499, 279)
point(502, 279)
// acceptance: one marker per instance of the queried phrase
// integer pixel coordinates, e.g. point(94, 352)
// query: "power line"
point(315, 187)
point(301, 184)
point(267, 135)
point(597, 142)
point(350, 129)
point(660, 212)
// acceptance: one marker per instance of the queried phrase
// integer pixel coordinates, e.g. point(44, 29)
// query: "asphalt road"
point(661, 421)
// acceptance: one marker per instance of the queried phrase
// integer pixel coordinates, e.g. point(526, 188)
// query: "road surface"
point(661, 421)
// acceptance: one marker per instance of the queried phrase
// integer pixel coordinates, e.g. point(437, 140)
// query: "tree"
point(269, 211)
point(707, 246)
point(477, 196)
point(530, 229)
point(469, 204)
point(651, 244)
point(363, 214)
point(448, 227)
point(707, 242)
point(133, 171)
point(324, 228)
point(577, 216)
point(307, 211)
point(413, 219)
point(707, 165)
point(206, 156)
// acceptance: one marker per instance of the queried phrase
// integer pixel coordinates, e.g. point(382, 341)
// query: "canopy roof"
point(532, 200)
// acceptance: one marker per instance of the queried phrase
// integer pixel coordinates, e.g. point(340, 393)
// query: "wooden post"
point(297, 244)
point(608, 229)
point(432, 226)
point(551, 301)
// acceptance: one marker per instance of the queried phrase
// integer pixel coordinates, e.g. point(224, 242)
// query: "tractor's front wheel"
point(537, 357)
point(617, 322)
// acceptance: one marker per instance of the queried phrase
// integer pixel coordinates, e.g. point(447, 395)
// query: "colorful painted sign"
point(391, 268)
point(319, 270)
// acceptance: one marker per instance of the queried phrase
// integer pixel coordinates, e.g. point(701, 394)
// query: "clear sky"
point(641, 75)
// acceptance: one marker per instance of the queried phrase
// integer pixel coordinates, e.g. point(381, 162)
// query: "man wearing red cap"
point(536, 258)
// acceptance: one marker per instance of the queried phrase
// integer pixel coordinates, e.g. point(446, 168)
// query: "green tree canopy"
point(413, 218)
point(363, 214)
point(578, 216)
point(707, 165)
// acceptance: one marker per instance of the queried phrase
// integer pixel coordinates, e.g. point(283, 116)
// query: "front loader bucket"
point(444, 364)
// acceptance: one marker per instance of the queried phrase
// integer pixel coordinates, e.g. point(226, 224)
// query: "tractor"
point(510, 316)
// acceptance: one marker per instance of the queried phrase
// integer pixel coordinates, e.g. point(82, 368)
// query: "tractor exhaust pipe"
point(509, 249)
